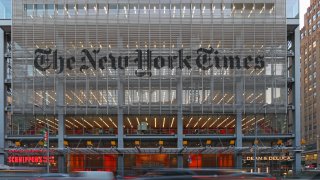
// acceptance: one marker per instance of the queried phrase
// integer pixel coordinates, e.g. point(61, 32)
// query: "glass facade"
point(5, 9)
point(139, 68)
point(292, 9)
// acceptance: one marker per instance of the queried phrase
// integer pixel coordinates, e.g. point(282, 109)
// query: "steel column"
point(179, 119)
point(61, 125)
point(120, 125)
point(239, 106)
point(296, 111)
point(2, 98)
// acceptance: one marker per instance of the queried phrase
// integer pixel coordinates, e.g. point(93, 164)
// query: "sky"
point(304, 4)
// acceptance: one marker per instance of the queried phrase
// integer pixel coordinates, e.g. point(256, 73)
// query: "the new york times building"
point(128, 85)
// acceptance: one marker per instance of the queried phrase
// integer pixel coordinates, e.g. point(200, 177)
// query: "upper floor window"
point(309, 22)
point(314, 27)
point(314, 17)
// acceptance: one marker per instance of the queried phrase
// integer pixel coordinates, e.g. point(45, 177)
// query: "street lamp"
point(255, 139)
point(47, 124)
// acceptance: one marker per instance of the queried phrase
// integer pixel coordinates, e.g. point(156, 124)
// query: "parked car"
point(186, 174)
point(93, 175)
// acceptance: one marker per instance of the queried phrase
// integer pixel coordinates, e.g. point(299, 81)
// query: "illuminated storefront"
point(127, 75)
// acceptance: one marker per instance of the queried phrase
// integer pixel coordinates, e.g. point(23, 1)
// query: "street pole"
point(48, 136)
point(48, 147)
point(255, 143)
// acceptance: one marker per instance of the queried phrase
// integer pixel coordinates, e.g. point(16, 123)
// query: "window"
point(314, 27)
point(314, 44)
point(301, 35)
point(314, 74)
point(314, 17)
point(28, 10)
point(49, 10)
point(309, 22)
point(318, 24)
point(310, 31)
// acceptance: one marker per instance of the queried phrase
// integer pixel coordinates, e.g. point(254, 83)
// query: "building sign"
point(269, 158)
point(30, 159)
point(204, 60)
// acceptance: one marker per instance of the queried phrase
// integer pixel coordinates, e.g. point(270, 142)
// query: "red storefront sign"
point(30, 159)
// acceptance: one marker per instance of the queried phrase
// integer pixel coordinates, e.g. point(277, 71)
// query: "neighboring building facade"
point(5, 71)
point(144, 84)
point(310, 54)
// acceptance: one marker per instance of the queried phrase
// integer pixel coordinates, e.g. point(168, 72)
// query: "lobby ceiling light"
point(189, 121)
point(155, 122)
point(223, 122)
point(230, 99)
point(154, 9)
point(164, 122)
point(262, 9)
point(72, 123)
point(113, 122)
point(271, 10)
point(138, 120)
point(206, 122)
point(97, 124)
point(103, 122)
point(129, 122)
point(87, 122)
point(222, 98)
point(248, 122)
point(215, 121)
point(229, 123)
point(79, 122)
point(164, 9)
point(172, 122)
point(215, 97)
point(197, 122)
point(145, 10)
point(105, 9)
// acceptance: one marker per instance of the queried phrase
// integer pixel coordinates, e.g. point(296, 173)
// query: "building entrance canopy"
point(159, 150)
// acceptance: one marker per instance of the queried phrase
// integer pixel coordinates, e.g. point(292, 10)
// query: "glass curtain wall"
point(87, 59)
